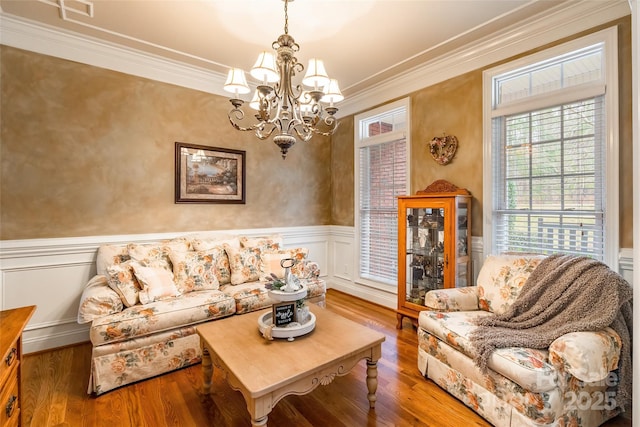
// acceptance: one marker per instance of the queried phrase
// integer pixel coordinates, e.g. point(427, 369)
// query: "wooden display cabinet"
point(434, 244)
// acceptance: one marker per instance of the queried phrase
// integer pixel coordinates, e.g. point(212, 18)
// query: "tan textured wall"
point(88, 151)
point(342, 170)
point(626, 135)
point(455, 107)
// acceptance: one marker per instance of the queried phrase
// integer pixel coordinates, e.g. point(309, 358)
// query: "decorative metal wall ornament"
point(443, 148)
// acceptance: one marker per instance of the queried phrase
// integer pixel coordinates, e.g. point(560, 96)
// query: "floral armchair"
point(573, 382)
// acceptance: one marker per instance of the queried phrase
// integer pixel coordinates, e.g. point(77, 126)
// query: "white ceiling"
point(362, 42)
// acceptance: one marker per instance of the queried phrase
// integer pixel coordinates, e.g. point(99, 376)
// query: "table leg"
point(372, 382)
point(207, 370)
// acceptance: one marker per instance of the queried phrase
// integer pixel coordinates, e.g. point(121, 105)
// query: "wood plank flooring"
point(55, 384)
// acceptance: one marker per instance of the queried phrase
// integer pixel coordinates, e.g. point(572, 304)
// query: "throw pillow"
point(123, 282)
point(204, 243)
point(300, 255)
point(98, 300)
point(157, 255)
point(270, 261)
point(244, 263)
point(109, 255)
point(272, 242)
point(178, 244)
point(501, 279)
point(270, 264)
point(223, 268)
point(196, 270)
point(157, 283)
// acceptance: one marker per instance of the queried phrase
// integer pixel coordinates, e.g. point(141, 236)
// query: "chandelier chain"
point(286, 17)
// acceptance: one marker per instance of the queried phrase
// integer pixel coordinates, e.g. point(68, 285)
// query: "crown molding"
point(47, 40)
point(567, 19)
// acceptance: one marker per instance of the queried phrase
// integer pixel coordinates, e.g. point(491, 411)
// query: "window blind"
point(383, 177)
point(549, 190)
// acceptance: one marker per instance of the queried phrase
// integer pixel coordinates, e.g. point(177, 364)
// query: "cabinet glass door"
point(463, 258)
point(425, 254)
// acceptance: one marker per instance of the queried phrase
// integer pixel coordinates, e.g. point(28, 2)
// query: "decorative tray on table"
point(292, 316)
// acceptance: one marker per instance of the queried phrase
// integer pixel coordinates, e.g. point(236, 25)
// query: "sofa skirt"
point(118, 364)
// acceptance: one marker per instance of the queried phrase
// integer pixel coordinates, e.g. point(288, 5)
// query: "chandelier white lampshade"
point(332, 92)
point(283, 108)
point(236, 82)
point(316, 76)
point(265, 69)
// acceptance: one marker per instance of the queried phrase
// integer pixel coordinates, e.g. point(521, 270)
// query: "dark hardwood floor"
point(55, 384)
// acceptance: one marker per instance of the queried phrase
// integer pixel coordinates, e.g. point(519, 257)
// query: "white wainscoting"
point(52, 273)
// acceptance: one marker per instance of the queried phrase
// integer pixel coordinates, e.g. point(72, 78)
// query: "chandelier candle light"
point(289, 111)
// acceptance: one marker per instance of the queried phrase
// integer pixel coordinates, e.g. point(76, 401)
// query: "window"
point(551, 156)
point(382, 171)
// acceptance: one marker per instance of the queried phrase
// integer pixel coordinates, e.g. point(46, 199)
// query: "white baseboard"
point(41, 339)
point(376, 296)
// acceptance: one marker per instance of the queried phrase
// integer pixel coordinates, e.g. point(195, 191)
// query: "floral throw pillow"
point(270, 262)
point(157, 283)
point(157, 255)
point(204, 244)
point(124, 283)
point(244, 263)
point(272, 242)
point(109, 255)
point(501, 279)
point(195, 270)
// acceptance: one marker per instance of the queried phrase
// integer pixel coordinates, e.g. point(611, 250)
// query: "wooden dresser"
point(12, 323)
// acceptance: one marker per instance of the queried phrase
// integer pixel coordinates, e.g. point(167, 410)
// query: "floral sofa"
point(146, 299)
point(572, 383)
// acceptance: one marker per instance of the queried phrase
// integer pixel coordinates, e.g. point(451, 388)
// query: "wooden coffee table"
point(266, 371)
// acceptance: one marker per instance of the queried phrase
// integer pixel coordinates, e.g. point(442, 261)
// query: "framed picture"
point(209, 174)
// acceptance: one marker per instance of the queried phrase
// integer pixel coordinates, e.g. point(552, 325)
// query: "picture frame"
point(209, 174)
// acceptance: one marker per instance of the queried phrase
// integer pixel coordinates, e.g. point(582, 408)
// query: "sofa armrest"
point(453, 299)
point(588, 356)
point(98, 300)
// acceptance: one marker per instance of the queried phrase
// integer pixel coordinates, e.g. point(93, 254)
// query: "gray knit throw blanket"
point(563, 294)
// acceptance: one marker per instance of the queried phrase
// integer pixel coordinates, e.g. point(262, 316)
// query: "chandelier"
point(282, 109)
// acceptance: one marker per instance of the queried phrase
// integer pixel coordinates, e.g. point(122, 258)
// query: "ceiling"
point(362, 42)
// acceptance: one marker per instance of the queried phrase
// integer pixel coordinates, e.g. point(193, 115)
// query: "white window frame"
point(358, 143)
point(609, 37)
